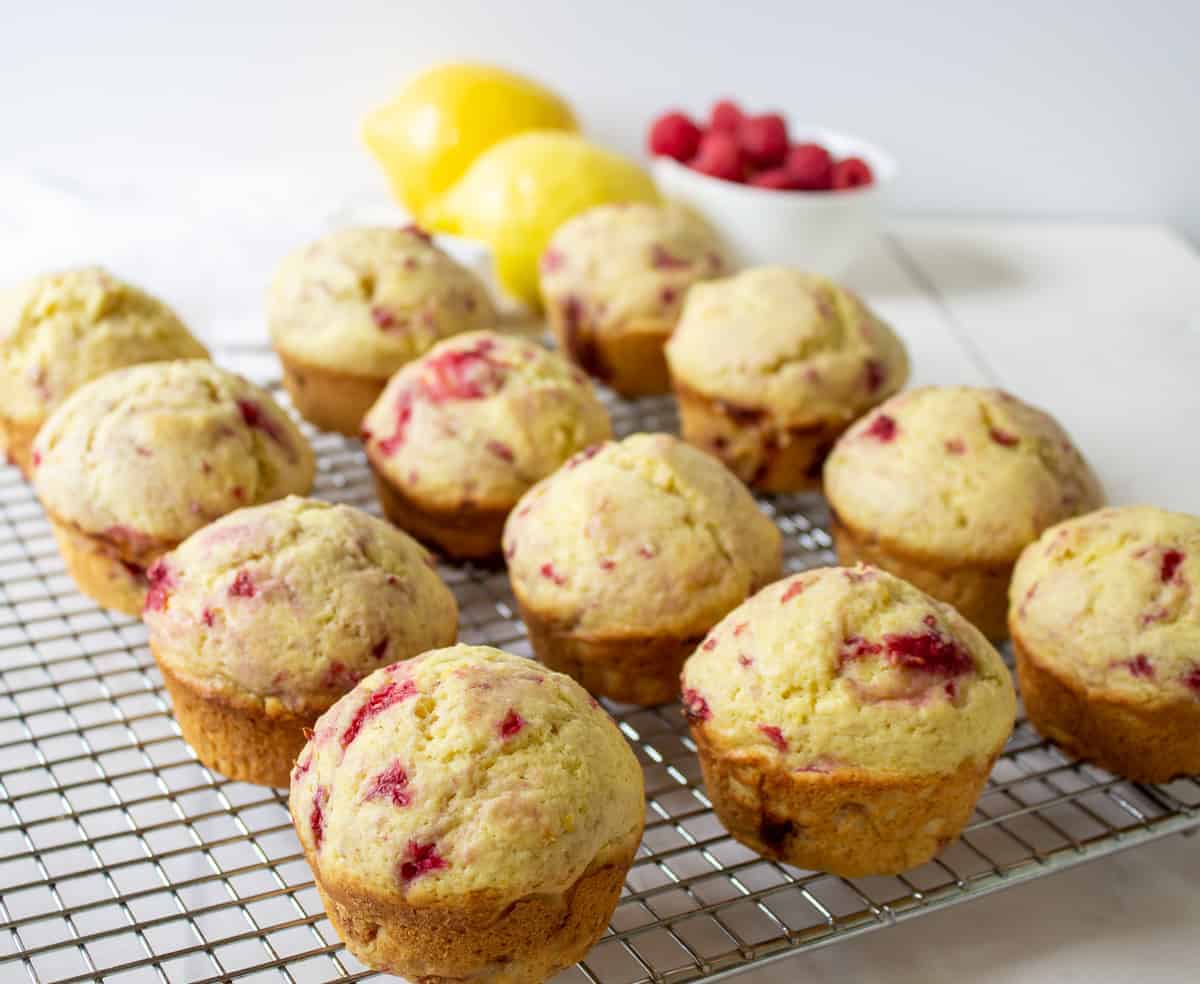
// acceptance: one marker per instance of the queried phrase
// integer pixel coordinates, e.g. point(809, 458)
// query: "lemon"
point(442, 119)
point(521, 190)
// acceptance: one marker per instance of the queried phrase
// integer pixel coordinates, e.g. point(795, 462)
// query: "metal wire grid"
point(124, 859)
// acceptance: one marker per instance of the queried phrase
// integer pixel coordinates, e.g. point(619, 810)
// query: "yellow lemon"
point(520, 191)
point(444, 118)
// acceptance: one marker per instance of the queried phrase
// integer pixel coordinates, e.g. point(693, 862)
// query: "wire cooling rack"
point(122, 859)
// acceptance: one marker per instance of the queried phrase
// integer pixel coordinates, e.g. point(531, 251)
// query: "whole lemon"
point(445, 117)
point(521, 190)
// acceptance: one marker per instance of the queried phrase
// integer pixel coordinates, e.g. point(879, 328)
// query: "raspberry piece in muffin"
point(945, 485)
point(162, 450)
point(262, 620)
point(851, 729)
point(1105, 622)
point(771, 365)
point(624, 558)
point(61, 330)
point(614, 280)
point(459, 435)
point(453, 847)
point(349, 310)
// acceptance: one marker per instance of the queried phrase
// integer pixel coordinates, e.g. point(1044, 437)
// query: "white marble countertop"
point(1098, 323)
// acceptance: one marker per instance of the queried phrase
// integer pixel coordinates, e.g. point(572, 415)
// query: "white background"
point(1030, 107)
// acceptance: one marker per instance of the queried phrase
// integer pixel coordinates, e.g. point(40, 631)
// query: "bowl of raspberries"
point(804, 197)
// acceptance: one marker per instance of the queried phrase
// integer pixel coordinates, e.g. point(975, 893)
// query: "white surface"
point(1022, 108)
point(1098, 323)
point(818, 231)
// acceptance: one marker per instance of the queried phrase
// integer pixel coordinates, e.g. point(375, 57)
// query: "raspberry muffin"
point(1105, 623)
point(845, 721)
point(462, 433)
point(262, 620)
point(61, 330)
point(349, 310)
point(613, 280)
point(468, 815)
point(623, 559)
point(945, 486)
point(771, 365)
point(134, 462)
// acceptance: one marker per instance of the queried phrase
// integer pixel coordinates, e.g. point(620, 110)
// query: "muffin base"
point(330, 400)
point(16, 439)
point(850, 822)
point(244, 741)
point(631, 669)
point(1147, 743)
point(524, 942)
point(763, 453)
point(978, 591)
point(628, 358)
point(467, 532)
point(101, 571)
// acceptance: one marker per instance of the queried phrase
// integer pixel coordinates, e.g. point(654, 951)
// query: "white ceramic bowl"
point(820, 231)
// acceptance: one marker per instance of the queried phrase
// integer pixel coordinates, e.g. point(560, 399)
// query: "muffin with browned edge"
point(261, 620)
point(846, 721)
point(1105, 623)
point(946, 485)
point(462, 433)
point(771, 365)
point(626, 556)
point(613, 281)
point(350, 309)
point(61, 330)
point(468, 816)
point(134, 462)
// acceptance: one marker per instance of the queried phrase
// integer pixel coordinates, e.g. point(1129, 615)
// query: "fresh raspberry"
point(810, 166)
point(719, 157)
point(764, 139)
point(852, 172)
point(674, 135)
point(726, 117)
point(776, 179)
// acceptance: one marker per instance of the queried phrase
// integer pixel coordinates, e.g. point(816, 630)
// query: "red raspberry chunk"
point(463, 374)
point(929, 652)
point(316, 818)
point(391, 784)
point(764, 139)
point(695, 707)
point(674, 135)
point(161, 581)
point(420, 859)
point(388, 695)
point(774, 735)
point(404, 411)
point(511, 724)
point(1170, 565)
point(792, 591)
point(254, 418)
point(882, 428)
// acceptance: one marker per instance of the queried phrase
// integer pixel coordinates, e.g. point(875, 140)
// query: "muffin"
point(62, 330)
point(262, 620)
point(134, 462)
point(771, 365)
point(846, 722)
point(1105, 626)
point(349, 310)
point(468, 815)
point(613, 280)
point(945, 486)
point(462, 433)
point(624, 558)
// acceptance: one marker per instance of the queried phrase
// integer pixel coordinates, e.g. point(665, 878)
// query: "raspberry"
point(392, 784)
point(725, 117)
point(853, 172)
point(379, 701)
point(512, 723)
point(695, 707)
point(418, 860)
point(810, 166)
point(1170, 564)
point(719, 157)
point(1140, 666)
point(674, 135)
point(1004, 438)
point(764, 139)
point(255, 419)
point(930, 652)
point(777, 179)
point(793, 589)
point(316, 818)
point(161, 581)
point(882, 428)
point(774, 735)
